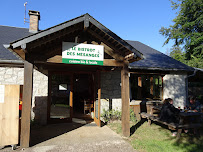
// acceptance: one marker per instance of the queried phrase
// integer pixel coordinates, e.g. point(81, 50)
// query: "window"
point(146, 87)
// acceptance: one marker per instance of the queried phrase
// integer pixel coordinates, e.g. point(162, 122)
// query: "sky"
point(138, 20)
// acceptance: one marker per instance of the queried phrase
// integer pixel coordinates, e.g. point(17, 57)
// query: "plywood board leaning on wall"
point(9, 114)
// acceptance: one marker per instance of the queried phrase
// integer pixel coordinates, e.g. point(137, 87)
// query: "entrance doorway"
point(59, 96)
point(73, 95)
point(83, 99)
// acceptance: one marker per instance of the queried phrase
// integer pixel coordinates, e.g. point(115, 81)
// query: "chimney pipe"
point(34, 21)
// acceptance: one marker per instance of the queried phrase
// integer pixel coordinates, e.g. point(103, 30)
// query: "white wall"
point(175, 88)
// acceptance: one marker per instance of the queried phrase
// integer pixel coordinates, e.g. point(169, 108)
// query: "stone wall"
point(40, 97)
point(13, 75)
point(175, 88)
point(111, 90)
point(10, 75)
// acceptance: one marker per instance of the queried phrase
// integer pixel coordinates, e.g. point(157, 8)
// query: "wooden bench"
point(172, 126)
point(151, 117)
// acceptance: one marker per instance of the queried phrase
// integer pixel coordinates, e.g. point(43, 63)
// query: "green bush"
point(110, 115)
point(132, 116)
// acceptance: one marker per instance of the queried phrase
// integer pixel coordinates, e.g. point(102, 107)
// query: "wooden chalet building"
point(55, 87)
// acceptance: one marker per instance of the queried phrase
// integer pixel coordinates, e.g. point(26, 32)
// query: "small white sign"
point(63, 87)
point(2, 92)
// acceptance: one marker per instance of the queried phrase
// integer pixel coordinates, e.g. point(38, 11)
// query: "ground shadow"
point(189, 142)
point(42, 133)
point(136, 126)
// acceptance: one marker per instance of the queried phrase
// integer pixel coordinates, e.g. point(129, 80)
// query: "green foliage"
point(132, 116)
point(194, 61)
point(176, 53)
point(188, 27)
point(109, 115)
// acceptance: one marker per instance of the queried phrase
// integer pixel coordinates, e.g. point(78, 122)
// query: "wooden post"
point(71, 97)
point(151, 86)
point(26, 106)
point(99, 97)
point(125, 100)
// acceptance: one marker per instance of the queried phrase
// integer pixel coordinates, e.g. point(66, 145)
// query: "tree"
point(188, 28)
point(177, 54)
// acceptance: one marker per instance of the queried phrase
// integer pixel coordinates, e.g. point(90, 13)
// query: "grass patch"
point(115, 127)
point(155, 138)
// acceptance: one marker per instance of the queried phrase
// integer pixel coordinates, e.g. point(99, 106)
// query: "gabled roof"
point(90, 26)
point(7, 35)
point(155, 60)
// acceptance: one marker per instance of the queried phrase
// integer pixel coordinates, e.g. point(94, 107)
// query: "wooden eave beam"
point(115, 43)
point(107, 62)
point(20, 52)
point(110, 51)
point(54, 36)
point(105, 42)
point(114, 37)
point(48, 31)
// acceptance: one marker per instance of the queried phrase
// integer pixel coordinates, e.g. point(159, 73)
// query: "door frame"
point(98, 91)
point(56, 120)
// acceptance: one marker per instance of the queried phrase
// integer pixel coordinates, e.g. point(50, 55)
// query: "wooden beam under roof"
point(58, 59)
point(129, 55)
point(105, 41)
point(54, 36)
point(20, 52)
point(110, 51)
point(114, 38)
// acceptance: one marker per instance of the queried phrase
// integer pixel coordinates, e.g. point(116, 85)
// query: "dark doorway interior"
point(60, 91)
point(83, 95)
point(60, 85)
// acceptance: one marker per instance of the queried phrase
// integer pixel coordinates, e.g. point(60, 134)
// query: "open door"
point(97, 99)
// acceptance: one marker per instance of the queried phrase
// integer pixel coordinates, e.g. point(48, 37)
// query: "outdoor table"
point(190, 117)
point(189, 120)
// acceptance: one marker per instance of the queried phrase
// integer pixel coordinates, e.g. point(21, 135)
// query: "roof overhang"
point(159, 69)
point(120, 49)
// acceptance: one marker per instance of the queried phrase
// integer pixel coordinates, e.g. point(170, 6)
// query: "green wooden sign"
point(87, 54)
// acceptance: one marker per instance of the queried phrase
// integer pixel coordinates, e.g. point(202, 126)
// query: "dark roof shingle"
point(7, 35)
point(154, 59)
